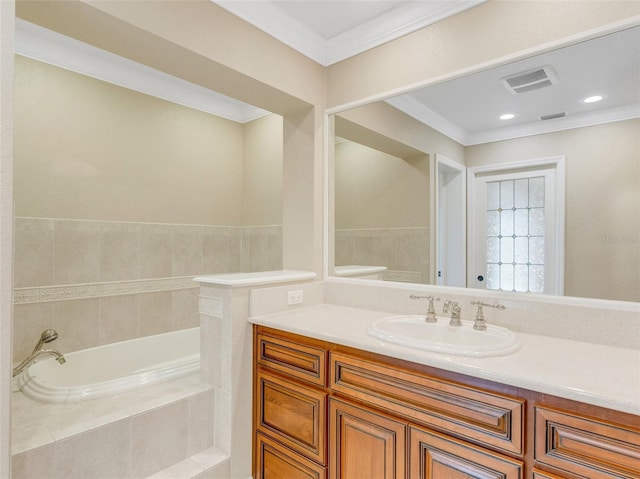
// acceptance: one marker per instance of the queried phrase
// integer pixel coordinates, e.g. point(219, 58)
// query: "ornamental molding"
point(45, 294)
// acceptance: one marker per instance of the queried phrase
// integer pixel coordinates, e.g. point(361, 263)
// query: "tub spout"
point(47, 336)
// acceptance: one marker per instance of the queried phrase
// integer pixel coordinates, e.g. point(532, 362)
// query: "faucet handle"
point(431, 312)
point(480, 323)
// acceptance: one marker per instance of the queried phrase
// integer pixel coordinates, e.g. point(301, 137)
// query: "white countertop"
point(601, 375)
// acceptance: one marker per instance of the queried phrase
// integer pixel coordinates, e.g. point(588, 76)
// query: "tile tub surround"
point(98, 282)
point(169, 426)
point(403, 251)
point(226, 350)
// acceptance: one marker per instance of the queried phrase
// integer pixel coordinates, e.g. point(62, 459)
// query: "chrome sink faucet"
point(431, 312)
point(47, 336)
point(480, 323)
point(455, 310)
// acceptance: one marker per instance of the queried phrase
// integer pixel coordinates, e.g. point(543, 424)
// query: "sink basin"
point(415, 332)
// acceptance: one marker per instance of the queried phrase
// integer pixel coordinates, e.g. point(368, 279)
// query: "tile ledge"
point(194, 466)
point(256, 278)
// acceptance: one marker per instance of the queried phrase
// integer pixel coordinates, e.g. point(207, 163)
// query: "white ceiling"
point(465, 109)
point(468, 108)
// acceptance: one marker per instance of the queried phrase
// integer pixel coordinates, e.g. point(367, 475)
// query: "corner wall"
point(7, 21)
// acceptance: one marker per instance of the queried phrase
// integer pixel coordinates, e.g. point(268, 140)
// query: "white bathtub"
point(114, 368)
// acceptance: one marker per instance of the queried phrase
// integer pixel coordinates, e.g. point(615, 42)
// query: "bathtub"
point(114, 368)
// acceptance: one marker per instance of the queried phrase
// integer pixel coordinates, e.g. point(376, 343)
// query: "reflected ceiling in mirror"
point(388, 196)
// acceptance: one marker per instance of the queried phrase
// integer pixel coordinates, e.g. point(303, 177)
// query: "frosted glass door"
point(514, 232)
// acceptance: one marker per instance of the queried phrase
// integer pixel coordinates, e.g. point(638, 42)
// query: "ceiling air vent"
point(530, 80)
point(553, 115)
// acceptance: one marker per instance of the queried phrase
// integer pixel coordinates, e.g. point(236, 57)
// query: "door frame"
point(556, 163)
point(437, 164)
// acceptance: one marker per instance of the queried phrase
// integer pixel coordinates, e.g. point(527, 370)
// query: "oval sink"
point(414, 332)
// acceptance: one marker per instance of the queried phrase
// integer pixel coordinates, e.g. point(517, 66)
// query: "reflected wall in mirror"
point(391, 187)
point(122, 197)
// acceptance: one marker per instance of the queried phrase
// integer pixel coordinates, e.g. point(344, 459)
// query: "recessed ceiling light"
point(507, 116)
point(592, 99)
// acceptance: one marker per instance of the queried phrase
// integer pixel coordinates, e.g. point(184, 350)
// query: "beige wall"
point(262, 171)
point(86, 149)
point(385, 120)
point(602, 242)
point(377, 190)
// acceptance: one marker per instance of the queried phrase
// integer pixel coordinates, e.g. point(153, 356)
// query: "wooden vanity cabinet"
point(325, 411)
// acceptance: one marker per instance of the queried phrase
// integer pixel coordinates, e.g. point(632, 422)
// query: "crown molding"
point(569, 122)
point(368, 35)
point(410, 106)
point(394, 24)
point(47, 46)
point(422, 113)
point(274, 22)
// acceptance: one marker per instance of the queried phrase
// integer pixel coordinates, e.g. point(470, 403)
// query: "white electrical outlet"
point(295, 297)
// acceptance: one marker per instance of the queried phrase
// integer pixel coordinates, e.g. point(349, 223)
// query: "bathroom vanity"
point(332, 402)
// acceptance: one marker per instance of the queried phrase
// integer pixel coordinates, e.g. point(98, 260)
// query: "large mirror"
point(524, 177)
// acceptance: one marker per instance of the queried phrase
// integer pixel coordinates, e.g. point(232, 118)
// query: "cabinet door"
point(293, 414)
point(274, 461)
point(364, 443)
point(434, 456)
point(584, 446)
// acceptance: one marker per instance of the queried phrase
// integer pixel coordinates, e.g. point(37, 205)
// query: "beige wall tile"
point(187, 254)
point(201, 426)
point(76, 257)
point(159, 438)
point(218, 251)
point(155, 254)
point(103, 453)
point(184, 304)
point(33, 260)
point(119, 255)
point(118, 320)
point(34, 464)
point(77, 324)
point(222, 471)
point(29, 320)
point(155, 313)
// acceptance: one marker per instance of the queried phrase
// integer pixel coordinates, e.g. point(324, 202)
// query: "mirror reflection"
point(524, 178)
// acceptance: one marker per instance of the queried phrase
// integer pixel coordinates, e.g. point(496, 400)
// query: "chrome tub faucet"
point(47, 336)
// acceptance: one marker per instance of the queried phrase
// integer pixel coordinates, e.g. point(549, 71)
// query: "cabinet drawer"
point(435, 456)
point(301, 361)
point(276, 461)
point(489, 419)
point(584, 446)
point(294, 415)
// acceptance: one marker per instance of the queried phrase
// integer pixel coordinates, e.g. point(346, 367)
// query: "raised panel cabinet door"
point(293, 414)
point(435, 456)
point(274, 461)
point(586, 447)
point(365, 444)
